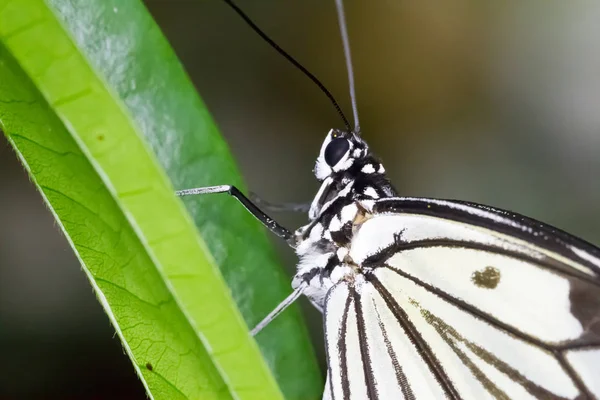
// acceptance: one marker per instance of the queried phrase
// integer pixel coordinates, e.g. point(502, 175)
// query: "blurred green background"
point(495, 103)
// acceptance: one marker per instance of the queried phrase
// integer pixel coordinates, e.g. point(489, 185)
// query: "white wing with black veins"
point(463, 301)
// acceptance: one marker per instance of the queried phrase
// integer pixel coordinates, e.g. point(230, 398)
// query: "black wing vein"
point(421, 345)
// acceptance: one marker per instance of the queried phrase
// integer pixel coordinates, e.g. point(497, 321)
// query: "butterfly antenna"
point(291, 59)
point(345, 40)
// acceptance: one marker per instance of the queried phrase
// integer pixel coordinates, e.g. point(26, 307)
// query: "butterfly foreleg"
point(267, 221)
point(279, 207)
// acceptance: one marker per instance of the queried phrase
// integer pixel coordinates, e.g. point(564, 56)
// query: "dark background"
point(493, 103)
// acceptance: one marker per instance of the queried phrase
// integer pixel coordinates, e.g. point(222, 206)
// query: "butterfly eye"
point(335, 150)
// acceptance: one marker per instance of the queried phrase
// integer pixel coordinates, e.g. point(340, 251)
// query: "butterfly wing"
point(464, 301)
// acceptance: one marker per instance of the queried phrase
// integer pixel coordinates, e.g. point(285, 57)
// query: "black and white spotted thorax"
point(353, 179)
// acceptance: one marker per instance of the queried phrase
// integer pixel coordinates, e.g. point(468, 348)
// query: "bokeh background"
point(492, 102)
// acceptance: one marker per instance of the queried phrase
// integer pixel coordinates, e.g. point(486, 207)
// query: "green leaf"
point(94, 102)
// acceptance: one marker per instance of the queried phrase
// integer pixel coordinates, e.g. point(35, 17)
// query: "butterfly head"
point(340, 150)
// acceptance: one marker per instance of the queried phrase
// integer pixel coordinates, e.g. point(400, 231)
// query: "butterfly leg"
point(281, 207)
point(267, 221)
point(279, 309)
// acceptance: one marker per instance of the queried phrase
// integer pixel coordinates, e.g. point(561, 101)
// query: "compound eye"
point(335, 151)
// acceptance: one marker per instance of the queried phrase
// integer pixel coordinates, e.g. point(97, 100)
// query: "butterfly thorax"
point(337, 212)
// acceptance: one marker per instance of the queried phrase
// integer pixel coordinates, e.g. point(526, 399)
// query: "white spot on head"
point(322, 169)
point(368, 169)
point(381, 169)
point(371, 192)
point(344, 164)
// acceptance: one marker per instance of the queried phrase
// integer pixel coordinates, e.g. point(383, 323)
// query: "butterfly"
point(433, 299)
